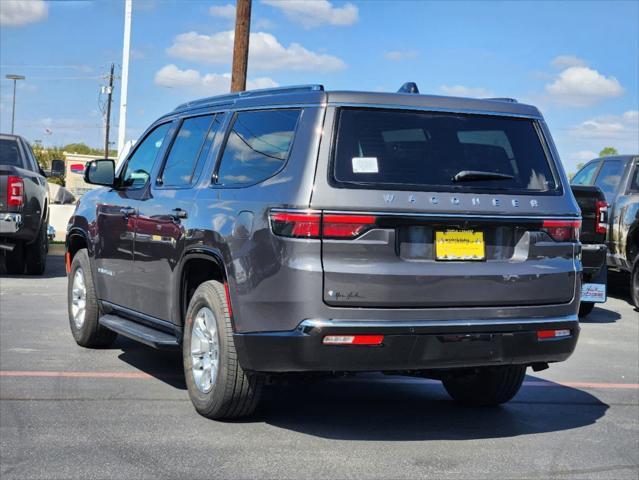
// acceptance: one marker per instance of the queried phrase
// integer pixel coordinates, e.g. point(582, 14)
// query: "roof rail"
point(502, 99)
point(231, 97)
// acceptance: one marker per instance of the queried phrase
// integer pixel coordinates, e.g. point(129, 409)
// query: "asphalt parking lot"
point(123, 412)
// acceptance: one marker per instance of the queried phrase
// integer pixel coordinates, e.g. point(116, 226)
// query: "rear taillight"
point(15, 191)
point(562, 230)
point(353, 340)
point(313, 224)
point(601, 219)
point(552, 334)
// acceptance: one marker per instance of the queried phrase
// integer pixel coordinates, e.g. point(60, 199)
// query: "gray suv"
point(300, 230)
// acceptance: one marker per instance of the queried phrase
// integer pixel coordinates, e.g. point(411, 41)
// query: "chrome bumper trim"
point(323, 323)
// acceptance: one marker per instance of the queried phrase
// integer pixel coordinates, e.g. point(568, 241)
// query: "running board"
point(141, 333)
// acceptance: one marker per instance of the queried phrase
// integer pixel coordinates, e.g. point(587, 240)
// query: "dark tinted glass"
point(180, 165)
point(586, 174)
point(609, 177)
point(9, 154)
point(257, 146)
point(138, 168)
point(634, 183)
point(421, 150)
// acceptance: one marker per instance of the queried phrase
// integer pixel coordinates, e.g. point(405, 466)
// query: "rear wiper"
point(472, 175)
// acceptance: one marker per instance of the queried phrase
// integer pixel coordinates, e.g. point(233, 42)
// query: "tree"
point(608, 152)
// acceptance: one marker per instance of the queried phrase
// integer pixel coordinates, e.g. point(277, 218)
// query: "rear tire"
point(84, 310)
point(634, 282)
point(14, 260)
point(485, 386)
point(585, 308)
point(36, 253)
point(218, 386)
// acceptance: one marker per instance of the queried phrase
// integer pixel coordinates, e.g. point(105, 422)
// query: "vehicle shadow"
point(390, 408)
point(619, 285)
point(601, 315)
point(54, 269)
point(380, 408)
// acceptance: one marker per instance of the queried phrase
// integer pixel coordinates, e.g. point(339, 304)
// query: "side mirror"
point(57, 168)
point(100, 172)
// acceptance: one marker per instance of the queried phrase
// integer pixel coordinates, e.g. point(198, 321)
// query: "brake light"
point(562, 230)
point(353, 340)
point(551, 334)
point(297, 225)
point(346, 226)
point(601, 219)
point(313, 224)
point(15, 191)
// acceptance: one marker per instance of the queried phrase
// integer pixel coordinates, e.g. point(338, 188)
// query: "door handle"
point(127, 211)
point(179, 214)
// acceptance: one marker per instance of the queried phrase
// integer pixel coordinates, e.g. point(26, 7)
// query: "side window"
point(138, 169)
point(585, 175)
point(32, 163)
point(634, 181)
point(188, 151)
point(609, 177)
point(257, 146)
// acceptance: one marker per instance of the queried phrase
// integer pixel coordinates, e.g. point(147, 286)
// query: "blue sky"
point(577, 61)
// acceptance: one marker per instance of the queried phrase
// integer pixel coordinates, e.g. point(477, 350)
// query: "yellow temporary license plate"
point(459, 245)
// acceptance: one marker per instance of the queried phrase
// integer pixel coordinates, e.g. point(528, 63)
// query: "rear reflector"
point(312, 224)
point(15, 191)
point(601, 221)
point(562, 230)
point(548, 334)
point(353, 340)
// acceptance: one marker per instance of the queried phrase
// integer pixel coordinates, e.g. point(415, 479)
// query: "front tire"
point(485, 386)
point(14, 260)
point(218, 386)
point(84, 311)
point(36, 253)
point(634, 282)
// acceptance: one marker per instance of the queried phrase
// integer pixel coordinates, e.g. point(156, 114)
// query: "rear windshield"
point(9, 154)
point(439, 151)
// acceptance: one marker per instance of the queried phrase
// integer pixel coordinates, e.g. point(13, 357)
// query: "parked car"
point(24, 209)
point(319, 232)
point(594, 226)
point(618, 177)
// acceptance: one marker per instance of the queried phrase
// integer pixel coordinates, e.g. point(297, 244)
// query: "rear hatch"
point(424, 209)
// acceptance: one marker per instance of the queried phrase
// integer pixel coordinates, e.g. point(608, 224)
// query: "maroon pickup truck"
point(24, 210)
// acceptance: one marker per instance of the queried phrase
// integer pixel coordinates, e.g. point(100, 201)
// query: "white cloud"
point(582, 156)
point(582, 86)
point(463, 91)
point(223, 11)
point(171, 76)
point(623, 127)
point(399, 55)
point(265, 52)
point(315, 13)
point(15, 13)
point(566, 61)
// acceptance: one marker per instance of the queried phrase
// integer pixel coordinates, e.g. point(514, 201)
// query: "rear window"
point(439, 151)
point(9, 154)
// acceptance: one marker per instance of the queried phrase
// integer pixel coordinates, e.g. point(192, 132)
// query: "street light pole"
point(15, 79)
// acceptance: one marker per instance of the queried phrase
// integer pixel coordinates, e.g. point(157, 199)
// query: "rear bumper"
point(411, 345)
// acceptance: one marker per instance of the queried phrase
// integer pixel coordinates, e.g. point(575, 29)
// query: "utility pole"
point(15, 79)
point(124, 83)
point(241, 45)
point(109, 91)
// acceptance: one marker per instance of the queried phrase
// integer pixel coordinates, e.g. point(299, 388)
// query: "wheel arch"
point(77, 239)
point(632, 244)
point(197, 266)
